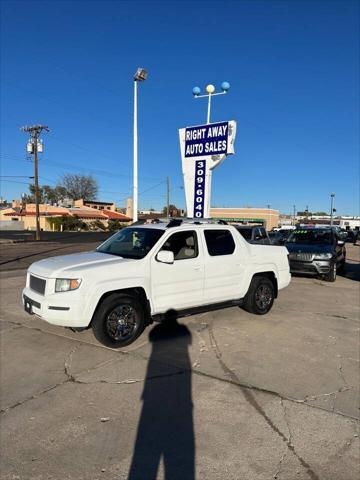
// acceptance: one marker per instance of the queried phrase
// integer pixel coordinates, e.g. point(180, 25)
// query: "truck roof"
point(182, 223)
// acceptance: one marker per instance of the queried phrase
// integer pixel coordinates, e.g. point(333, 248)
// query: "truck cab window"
point(183, 245)
point(219, 242)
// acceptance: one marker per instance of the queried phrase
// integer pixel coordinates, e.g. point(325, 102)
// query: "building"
point(267, 217)
point(25, 217)
point(95, 204)
point(345, 222)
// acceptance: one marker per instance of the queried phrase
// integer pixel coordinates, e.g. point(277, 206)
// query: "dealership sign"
point(203, 148)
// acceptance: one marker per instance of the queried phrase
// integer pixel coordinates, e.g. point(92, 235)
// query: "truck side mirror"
point(165, 256)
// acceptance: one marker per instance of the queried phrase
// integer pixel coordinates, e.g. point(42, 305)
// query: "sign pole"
point(203, 148)
point(208, 109)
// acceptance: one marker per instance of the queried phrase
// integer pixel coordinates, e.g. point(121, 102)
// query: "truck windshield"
point(131, 242)
point(323, 237)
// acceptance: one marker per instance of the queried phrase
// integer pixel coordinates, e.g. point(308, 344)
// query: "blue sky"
point(293, 67)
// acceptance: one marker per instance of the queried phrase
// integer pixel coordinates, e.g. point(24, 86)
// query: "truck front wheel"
point(119, 320)
point(260, 296)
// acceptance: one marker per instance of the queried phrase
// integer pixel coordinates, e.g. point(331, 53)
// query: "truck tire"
point(119, 320)
point(260, 296)
point(331, 276)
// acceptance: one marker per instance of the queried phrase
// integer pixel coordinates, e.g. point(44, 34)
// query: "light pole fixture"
point(210, 89)
point(332, 196)
point(140, 76)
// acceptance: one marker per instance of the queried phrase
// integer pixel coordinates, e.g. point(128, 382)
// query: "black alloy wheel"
point(263, 296)
point(119, 320)
point(260, 296)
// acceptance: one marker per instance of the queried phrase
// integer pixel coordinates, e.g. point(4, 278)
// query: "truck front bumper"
point(65, 309)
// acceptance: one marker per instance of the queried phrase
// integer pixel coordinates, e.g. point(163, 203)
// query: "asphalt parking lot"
point(222, 395)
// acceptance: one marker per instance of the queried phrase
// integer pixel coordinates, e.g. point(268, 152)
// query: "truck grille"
point(301, 257)
point(37, 284)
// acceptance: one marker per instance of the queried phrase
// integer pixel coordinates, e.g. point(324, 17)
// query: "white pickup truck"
point(143, 272)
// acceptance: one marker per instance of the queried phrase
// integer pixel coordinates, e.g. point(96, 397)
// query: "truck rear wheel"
point(119, 320)
point(260, 296)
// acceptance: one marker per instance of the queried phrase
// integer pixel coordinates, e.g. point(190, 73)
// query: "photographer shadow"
point(165, 427)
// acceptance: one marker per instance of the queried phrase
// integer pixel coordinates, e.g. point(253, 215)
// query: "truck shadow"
point(165, 427)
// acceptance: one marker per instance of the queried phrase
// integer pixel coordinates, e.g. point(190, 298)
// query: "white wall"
point(11, 225)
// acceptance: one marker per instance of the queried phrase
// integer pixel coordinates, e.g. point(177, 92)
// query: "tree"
point(80, 186)
point(172, 210)
point(114, 225)
point(97, 225)
point(304, 214)
point(54, 195)
point(47, 194)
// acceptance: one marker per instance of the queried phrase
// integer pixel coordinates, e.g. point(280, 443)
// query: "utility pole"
point(33, 148)
point(167, 197)
point(294, 207)
point(307, 213)
point(332, 196)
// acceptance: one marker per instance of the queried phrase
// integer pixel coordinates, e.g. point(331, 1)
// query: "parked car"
point(280, 237)
point(254, 234)
point(142, 272)
point(351, 235)
point(316, 251)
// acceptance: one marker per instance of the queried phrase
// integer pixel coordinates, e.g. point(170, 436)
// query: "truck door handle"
point(197, 268)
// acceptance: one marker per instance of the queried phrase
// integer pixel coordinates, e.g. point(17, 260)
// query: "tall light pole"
point(34, 147)
point(332, 196)
point(167, 197)
point(140, 76)
point(210, 93)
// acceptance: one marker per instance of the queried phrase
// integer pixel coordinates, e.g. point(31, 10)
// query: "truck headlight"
point(66, 284)
point(323, 256)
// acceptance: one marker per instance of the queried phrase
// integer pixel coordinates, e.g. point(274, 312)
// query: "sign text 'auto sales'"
point(205, 140)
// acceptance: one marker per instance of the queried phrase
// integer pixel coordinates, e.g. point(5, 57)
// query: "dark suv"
point(279, 237)
point(316, 251)
point(254, 234)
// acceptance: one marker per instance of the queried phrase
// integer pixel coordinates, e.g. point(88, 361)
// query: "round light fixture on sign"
point(210, 88)
point(196, 91)
point(225, 86)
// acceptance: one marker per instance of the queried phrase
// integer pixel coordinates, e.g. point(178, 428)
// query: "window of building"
point(219, 242)
point(183, 244)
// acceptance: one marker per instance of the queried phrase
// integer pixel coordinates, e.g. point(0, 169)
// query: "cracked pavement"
point(273, 397)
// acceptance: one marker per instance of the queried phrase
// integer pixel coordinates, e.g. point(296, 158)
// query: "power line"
point(150, 188)
point(78, 167)
point(15, 181)
point(15, 176)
